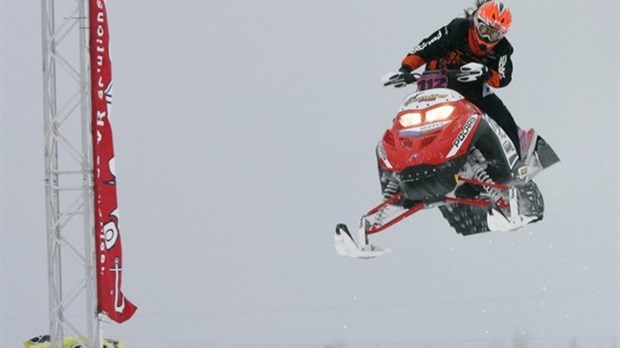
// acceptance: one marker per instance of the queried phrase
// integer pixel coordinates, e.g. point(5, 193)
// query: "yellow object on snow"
point(43, 341)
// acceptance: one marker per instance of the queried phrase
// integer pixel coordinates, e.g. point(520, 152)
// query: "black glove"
point(486, 74)
point(399, 79)
point(472, 72)
point(406, 74)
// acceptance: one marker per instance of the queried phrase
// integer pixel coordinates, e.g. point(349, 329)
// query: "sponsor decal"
point(421, 97)
point(424, 45)
point(502, 66)
point(460, 139)
point(510, 152)
point(419, 130)
point(383, 156)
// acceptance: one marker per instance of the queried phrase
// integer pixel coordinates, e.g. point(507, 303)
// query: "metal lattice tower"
point(68, 173)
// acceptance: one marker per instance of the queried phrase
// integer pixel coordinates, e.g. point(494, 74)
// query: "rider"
point(478, 38)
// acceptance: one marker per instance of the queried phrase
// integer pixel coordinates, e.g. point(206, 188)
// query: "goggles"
point(488, 33)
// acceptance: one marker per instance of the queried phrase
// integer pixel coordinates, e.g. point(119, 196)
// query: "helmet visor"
point(488, 33)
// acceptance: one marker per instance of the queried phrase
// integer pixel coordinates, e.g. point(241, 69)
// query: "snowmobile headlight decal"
point(440, 113)
point(410, 119)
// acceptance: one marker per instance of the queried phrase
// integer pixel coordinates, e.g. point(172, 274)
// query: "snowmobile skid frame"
point(346, 245)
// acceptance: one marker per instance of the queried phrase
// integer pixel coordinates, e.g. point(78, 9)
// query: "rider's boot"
point(526, 140)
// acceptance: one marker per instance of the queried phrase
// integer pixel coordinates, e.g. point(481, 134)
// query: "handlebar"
point(470, 72)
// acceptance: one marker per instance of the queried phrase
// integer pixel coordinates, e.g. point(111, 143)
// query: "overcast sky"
point(245, 130)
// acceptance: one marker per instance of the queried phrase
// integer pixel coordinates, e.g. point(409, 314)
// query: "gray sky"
point(245, 130)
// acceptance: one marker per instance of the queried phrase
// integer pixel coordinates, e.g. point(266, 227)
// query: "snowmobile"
point(444, 152)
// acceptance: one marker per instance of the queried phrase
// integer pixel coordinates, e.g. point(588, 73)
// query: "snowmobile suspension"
point(481, 175)
point(492, 188)
point(376, 228)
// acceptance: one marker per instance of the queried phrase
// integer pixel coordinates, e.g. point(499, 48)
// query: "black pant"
point(492, 106)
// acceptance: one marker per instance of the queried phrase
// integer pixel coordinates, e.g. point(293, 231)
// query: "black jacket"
point(449, 48)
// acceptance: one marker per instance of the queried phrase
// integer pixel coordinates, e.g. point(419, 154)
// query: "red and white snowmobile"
point(443, 152)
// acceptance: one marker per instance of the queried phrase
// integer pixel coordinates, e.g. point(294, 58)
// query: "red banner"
point(109, 265)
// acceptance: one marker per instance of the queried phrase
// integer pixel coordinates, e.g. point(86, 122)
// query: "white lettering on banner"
point(119, 308)
point(110, 234)
point(100, 86)
point(100, 116)
point(100, 48)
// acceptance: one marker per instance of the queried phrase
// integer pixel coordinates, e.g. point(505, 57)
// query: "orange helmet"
point(491, 22)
